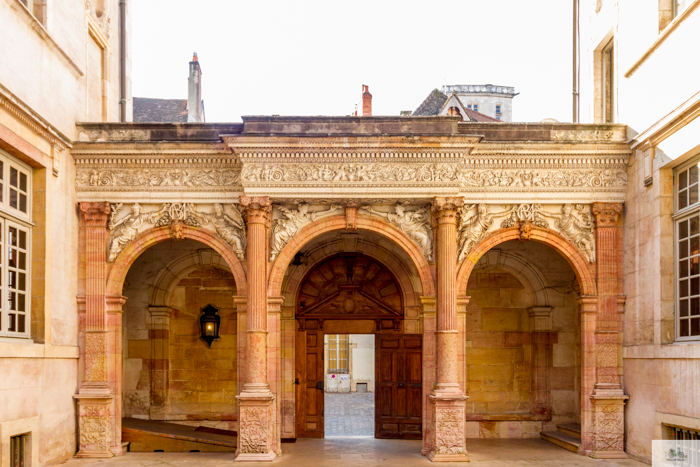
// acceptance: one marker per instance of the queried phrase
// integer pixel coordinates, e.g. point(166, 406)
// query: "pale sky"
point(312, 57)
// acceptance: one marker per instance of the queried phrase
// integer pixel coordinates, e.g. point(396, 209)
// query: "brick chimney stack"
point(195, 106)
point(366, 101)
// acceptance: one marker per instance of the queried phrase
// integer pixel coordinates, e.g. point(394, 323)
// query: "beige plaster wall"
point(661, 376)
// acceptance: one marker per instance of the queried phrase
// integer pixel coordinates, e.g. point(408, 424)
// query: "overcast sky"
point(312, 57)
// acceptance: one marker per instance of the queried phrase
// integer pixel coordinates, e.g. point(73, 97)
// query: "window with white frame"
point(473, 106)
point(498, 111)
point(15, 235)
point(687, 252)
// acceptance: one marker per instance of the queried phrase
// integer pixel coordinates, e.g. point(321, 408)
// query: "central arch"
point(337, 223)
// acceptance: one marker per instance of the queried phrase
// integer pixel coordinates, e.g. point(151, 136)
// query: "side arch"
point(333, 223)
point(119, 269)
point(585, 271)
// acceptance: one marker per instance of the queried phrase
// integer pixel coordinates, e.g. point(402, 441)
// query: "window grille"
point(18, 451)
point(687, 441)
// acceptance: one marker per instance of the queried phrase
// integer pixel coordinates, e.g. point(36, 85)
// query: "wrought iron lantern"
point(209, 324)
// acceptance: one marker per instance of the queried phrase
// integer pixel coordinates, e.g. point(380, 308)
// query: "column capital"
point(606, 214)
point(95, 214)
point(445, 209)
point(258, 209)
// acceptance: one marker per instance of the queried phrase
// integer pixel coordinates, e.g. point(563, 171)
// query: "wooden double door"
point(398, 385)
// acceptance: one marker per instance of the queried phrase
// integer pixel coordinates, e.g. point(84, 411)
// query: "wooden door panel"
point(398, 410)
point(309, 372)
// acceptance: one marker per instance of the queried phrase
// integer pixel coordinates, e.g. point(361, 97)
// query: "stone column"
point(256, 439)
point(541, 334)
point(607, 399)
point(94, 395)
point(159, 335)
point(447, 399)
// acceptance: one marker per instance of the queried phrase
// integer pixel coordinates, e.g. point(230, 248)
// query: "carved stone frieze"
point(290, 221)
point(254, 430)
point(449, 431)
point(124, 228)
point(416, 224)
point(165, 177)
point(94, 428)
point(573, 222)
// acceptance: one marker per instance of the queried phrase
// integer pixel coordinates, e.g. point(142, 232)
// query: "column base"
point(446, 432)
point(256, 432)
point(94, 422)
point(608, 431)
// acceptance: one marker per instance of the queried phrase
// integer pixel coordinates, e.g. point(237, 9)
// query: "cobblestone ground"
point(349, 414)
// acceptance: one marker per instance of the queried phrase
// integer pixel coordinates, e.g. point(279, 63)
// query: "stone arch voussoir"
point(120, 267)
point(336, 223)
point(584, 270)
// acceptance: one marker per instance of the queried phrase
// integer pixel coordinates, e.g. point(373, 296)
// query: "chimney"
point(195, 106)
point(366, 101)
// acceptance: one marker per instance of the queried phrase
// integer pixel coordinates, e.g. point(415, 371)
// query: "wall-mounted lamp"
point(209, 324)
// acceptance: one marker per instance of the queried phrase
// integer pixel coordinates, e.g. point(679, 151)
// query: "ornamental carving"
point(415, 224)
point(95, 356)
point(449, 431)
point(157, 177)
point(573, 222)
point(609, 424)
point(291, 221)
point(254, 431)
point(124, 228)
point(606, 214)
point(94, 428)
point(463, 174)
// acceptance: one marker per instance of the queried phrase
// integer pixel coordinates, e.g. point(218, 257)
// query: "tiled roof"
point(432, 105)
point(160, 110)
point(479, 117)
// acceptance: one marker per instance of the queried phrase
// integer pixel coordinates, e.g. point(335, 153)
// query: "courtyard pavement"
point(349, 414)
point(341, 452)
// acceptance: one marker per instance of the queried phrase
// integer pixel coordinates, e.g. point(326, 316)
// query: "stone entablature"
point(331, 158)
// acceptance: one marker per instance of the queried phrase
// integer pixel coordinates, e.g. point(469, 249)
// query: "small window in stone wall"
point(18, 450)
point(687, 253)
point(686, 441)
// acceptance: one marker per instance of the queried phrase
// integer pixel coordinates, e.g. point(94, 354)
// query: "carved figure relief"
point(253, 431)
point(573, 222)
point(230, 228)
point(577, 231)
point(416, 224)
point(124, 230)
point(291, 222)
point(474, 228)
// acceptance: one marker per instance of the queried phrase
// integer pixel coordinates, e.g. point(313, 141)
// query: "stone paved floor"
point(338, 452)
point(349, 414)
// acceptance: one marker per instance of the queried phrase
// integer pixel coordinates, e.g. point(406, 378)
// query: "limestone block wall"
point(660, 375)
point(202, 381)
point(501, 353)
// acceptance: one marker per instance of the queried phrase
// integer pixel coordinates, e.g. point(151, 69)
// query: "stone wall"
point(501, 344)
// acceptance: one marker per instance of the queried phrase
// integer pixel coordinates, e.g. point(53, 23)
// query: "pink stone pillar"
point(256, 421)
point(95, 397)
point(607, 398)
point(447, 399)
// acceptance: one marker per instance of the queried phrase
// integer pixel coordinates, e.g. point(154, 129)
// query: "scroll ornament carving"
point(95, 358)
point(254, 431)
point(572, 222)
point(449, 433)
point(609, 423)
point(98, 10)
point(291, 221)
point(157, 177)
point(230, 228)
point(416, 224)
point(94, 428)
point(466, 176)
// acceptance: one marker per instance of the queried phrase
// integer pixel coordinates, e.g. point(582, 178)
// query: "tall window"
point(498, 111)
point(15, 230)
point(608, 82)
point(338, 350)
point(688, 253)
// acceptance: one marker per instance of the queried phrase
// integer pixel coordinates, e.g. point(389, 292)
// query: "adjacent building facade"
point(515, 277)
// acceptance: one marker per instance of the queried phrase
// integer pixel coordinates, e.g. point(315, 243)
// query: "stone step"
point(150, 436)
point(573, 429)
point(125, 447)
point(563, 440)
